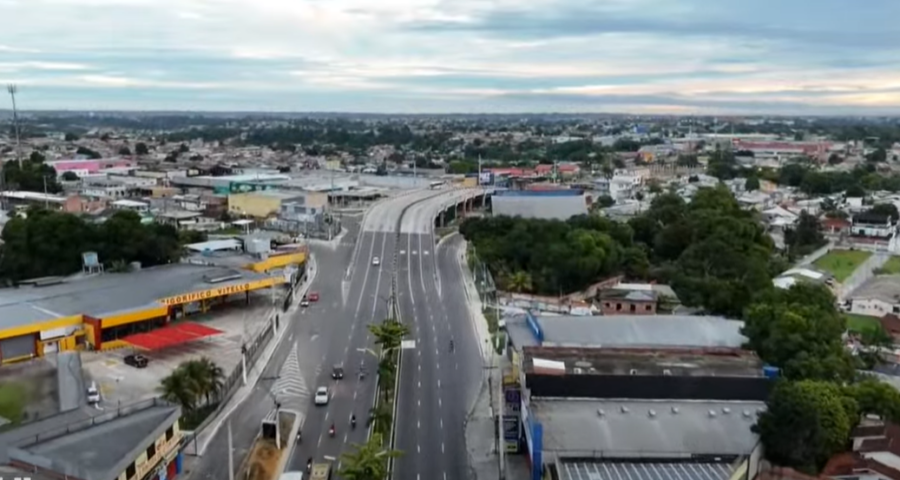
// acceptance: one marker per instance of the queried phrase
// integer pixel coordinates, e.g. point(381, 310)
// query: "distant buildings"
point(544, 204)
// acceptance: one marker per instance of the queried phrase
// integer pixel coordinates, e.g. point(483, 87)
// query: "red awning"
point(171, 335)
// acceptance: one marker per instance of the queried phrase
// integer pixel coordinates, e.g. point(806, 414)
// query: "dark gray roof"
point(883, 287)
point(90, 445)
point(656, 429)
point(110, 293)
point(643, 471)
point(560, 208)
point(623, 331)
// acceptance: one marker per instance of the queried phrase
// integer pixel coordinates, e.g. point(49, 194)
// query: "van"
point(93, 395)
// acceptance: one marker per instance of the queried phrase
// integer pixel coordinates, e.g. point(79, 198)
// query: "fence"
point(484, 281)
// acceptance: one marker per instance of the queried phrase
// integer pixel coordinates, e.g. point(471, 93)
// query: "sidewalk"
point(481, 442)
point(254, 371)
point(476, 314)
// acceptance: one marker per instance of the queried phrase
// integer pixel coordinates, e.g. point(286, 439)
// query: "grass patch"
point(861, 323)
point(891, 267)
point(493, 319)
point(13, 398)
point(192, 419)
point(842, 263)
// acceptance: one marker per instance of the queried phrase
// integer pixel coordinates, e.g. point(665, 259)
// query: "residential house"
point(874, 225)
point(637, 299)
point(877, 297)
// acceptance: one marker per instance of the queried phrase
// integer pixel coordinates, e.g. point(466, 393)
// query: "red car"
point(313, 296)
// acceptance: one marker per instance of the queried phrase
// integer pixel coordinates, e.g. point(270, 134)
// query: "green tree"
point(87, 152)
point(805, 237)
point(178, 387)
point(193, 381)
point(877, 156)
point(70, 176)
point(140, 148)
point(751, 184)
point(70, 137)
point(367, 461)
point(519, 282)
point(389, 333)
point(722, 164)
point(124, 150)
point(873, 396)
point(799, 330)
point(835, 159)
point(31, 176)
point(805, 423)
point(36, 157)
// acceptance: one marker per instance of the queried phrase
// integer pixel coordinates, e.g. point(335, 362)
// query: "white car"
point(376, 261)
point(322, 396)
point(93, 395)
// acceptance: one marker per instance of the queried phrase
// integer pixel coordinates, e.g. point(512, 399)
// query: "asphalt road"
point(365, 302)
point(315, 332)
point(437, 385)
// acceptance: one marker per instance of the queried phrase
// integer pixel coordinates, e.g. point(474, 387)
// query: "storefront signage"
point(165, 451)
point(215, 292)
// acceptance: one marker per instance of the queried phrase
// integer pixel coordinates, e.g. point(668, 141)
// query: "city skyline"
point(637, 56)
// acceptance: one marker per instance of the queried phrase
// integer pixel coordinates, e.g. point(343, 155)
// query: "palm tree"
point(367, 461)
point(179, 388)
point(380, 415)
point(192, 380)
point(520, 282)
point(389, 333)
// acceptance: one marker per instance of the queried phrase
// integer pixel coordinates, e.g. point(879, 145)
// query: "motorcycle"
point(331, 431)
point(353, 421)
point(298, 437)
point(308, 465)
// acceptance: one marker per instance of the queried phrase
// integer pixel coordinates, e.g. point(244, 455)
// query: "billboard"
point(511, 433)
point(535, 327)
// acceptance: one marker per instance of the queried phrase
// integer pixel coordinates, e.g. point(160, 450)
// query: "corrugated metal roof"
point(643, 471)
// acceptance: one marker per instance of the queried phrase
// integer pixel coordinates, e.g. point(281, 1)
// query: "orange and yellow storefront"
point(105, 332)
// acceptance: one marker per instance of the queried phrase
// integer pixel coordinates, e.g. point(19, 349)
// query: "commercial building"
point(111, 310)
point(133, 442)
point(545, 204)
point(874, 225)
point(632, 396)
point(265, 203)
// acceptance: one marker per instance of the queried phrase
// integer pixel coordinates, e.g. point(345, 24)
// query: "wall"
point(278, 261)
point(71, 321)
point(648, 387)
point(144, 465)
point(547, 207)
point(254, 205)
point(623, 307)
point(871, 307)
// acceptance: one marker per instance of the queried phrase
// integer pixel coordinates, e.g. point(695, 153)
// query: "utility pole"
point(230, 454)
point(12, 89)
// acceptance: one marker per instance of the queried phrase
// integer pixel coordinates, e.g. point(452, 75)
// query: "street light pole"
point(230, 454)
point(13, 89)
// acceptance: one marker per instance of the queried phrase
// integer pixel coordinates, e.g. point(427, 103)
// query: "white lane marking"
point(326, 414)
point(445, 475)
point(418, 448)
point(442, 447)
point(418, 403)
point(345, 441)
point(439, 384)
point(440, 403)
point(420, 367)
point(402, 252)
point(425, 252)
point(442, 423)
point(420, 384)
point(418, 424)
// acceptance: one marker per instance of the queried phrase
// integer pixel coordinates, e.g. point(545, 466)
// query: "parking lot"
point(123, 384)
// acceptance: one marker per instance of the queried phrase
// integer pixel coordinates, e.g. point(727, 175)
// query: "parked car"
point(93, 394)
point(321, 396)
point(137, 360)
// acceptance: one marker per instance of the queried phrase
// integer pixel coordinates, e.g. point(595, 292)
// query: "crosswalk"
point(291, 389)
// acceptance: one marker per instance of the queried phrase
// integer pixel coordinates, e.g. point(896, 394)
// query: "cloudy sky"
point(641, 56)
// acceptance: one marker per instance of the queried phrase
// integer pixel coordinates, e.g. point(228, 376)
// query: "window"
point(607, 304)
point(170, 432)
point(618, 307)
point(151, 451)
point(131, 471)
point(648, 307)
point(632, 308)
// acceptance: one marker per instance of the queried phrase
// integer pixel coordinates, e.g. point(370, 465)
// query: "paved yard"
point(842, 263)
point(122, 384)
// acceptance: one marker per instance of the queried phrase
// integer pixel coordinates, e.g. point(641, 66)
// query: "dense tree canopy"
point(799, 330)
point(806, 423)
point(554, 256)
point(33, 175)
point(51, 243)
point(715, 254)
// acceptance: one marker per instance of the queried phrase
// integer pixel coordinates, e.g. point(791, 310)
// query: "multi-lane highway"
point(437, 382)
